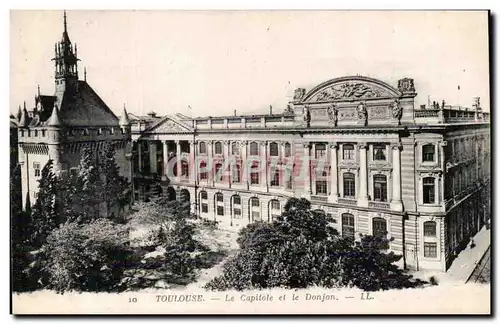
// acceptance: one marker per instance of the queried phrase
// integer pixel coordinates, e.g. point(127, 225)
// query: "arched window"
point(219, 204)
point(348, 225)
point(254, 148)
point(255, 209)
point(349, 185)
point(236, 204)
point(273, 149)
point(348, 152)
point(430, 229)
point(203, 148)
point(274, 209)
point(218, 148)
point(428, 152)
point(236, 173)
point(380, 187)
point(379, 227)
point(288, 149)
point(429, 190)
point(203, 171)
point(322, 184)
point(203, 202)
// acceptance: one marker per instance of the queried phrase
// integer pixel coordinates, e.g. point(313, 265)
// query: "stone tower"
point(59, 126)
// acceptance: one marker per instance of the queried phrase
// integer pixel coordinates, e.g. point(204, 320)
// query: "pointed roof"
point(19, 113)
point(124, 121)
point(65, 37)
point(54, 118)
point(24, 120)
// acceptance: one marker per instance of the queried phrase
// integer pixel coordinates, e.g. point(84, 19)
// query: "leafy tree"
point(116, 187)
point(44, 217)
point(300, 249)
point(85, 257)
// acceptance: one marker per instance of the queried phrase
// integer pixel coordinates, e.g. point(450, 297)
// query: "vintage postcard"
point(250, 162)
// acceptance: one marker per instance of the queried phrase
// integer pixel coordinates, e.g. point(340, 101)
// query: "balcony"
point(319, 198)
point(347, 201)
point(379, 204)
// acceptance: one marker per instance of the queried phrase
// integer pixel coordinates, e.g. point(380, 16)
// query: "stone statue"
point(396, 109)
point(333, 111)
point(299, 94)
point(307, 116)
point(362, 113)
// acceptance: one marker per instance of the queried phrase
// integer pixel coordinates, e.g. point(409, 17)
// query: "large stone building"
point(356, 147)
point(59, 126)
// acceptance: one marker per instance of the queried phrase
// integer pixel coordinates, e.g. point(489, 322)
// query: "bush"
point(300, 249)
point(87, 257)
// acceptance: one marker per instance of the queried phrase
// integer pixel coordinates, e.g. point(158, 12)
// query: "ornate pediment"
point(169, 125)
point(351, 88)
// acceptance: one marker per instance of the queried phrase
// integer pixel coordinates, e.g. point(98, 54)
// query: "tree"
point(300, 249)
point(81, 194)
point(44, 217)
point(86, 257)
point(116, 187)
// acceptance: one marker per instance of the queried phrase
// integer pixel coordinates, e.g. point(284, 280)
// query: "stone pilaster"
point(363, 175)
point(334, 193)
point(178, 153)
point(396, 202)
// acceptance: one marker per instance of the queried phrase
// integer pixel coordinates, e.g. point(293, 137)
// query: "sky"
point(219, 61)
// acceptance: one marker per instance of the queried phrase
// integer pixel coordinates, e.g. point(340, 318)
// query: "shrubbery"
point(300, 249)
point(86, 257)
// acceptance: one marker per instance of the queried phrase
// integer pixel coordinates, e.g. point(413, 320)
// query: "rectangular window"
point(428, 152)
point(275, 180)
point(429, 190)
point(237, 200)
point(348, 152)
point(380, 188)
point(43, 132)
point(255, 216)
point(255, 202)
point(36, 167)
point(430, 250)
point(236, 174)
point(204, 208)
point(349, 185)
point(254, 174)
point(237, 212)
point(379, 152)
point(320, 151)
point(275, 204)
point(220, 210)
point(321, 187)
point(348, 226)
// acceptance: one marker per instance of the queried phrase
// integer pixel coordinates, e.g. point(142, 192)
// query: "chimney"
point(235, 112)
point(270, 110)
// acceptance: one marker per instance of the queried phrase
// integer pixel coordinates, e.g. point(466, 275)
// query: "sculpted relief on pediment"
point(350, 90)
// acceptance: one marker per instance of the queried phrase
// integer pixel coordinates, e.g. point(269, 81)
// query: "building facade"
point(356, 147)
point(61, 125)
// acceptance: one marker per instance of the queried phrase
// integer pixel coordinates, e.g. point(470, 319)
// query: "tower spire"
point(65, 24)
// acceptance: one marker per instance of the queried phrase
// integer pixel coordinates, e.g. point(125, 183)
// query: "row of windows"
point(254, 148)
point(71, 132)
point(236, 174)
point(236, 208)
point(379, 229)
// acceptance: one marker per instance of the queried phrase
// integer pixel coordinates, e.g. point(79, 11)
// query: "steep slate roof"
point(84, 108)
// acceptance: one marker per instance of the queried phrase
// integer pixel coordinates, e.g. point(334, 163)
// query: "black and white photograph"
point(250, 162)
